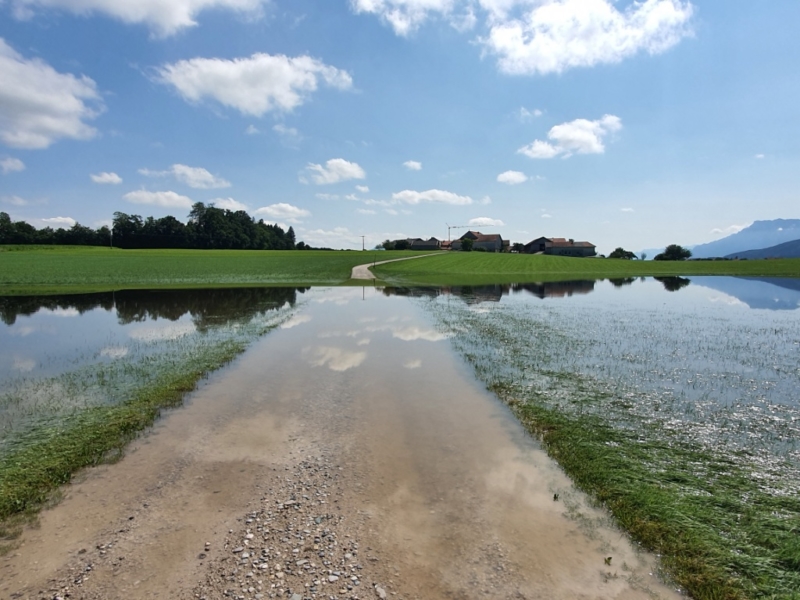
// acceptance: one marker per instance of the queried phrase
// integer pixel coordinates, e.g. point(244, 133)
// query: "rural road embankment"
point(363, 272)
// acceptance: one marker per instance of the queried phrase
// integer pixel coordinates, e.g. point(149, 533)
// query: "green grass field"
point(475, 268)
point(74, 269)
point(68, 269)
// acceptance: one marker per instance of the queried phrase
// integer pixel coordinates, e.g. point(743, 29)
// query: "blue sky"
point(622, 123)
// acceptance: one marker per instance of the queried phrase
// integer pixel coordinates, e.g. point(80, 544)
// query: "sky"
point(633, 124)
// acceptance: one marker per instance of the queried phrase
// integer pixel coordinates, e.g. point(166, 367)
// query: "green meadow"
point(475, 268)
point(67, 269)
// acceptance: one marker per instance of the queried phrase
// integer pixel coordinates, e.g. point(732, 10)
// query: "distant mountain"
point(785, 250)
point(772, 293)
point(761, 234)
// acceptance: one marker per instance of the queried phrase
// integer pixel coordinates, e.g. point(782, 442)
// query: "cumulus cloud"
point(228, 204)
point(512, 177)
point(529, 115)
point(10, 164)
point(413, 165)
point(292, 214)
point(362, 188)
point(580, 136)
point(405, 16)
point(334, 171)
point(627, 209)
point(106, 178)
point(194, 177)
point(163, 17)
point(485, 222)
point(558, 35)
point(167, 199)
point(39, 105)
point(335, 238)
point(58, 222)
point(548, 36)
point(255, 85)
point(366, 211)
point(289, 135)
point(14, 200)
point(435, 196)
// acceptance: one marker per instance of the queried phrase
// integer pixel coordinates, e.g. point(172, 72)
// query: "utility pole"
point(362, 243)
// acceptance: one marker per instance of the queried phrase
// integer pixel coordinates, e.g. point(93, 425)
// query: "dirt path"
point(363, 271)
point(349, 455)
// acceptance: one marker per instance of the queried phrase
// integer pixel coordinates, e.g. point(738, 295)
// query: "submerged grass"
point(722, 530)
point(44, 450)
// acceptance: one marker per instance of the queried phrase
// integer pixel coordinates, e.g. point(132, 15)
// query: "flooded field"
point(430, 486)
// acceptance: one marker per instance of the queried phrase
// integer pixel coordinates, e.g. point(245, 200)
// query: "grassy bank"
point(475, 268)
point(723, 516)
point(76, 269)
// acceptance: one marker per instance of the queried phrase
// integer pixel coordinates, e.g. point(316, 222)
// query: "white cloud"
point(39, 105)
point(759, 156)
point(529, 115)
point(290, 213)
point(512, 177)
point(485, 222)
point(9, 164)
point(440, 196)
point(156, 333)
point(194, 177)
point(627, 209)
point(254, 86)
point(24, 365)
point(405, 16)
point(327, 196)
point(413, 333)
point(366, 211)
point(56, 222)
point(167, 199)
point(251, 130)
point(290, 135)
point(109, 178)
point(413, 165)
point(114, 352)
point(485, 200)
point(413, 364)
point(362, 188)
point(546, 216)
point(228, 204)
point(337, 237)
point(731, 229)
point(561, 34)
point(334, 171)
point(14, 201)
point(580, 136)
point(163, 17)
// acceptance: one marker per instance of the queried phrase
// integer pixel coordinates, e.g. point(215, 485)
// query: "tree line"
point(208, 227)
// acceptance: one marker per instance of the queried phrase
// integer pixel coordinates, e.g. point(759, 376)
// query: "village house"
point(559, 247)
point(420, 244)
point(492, 242)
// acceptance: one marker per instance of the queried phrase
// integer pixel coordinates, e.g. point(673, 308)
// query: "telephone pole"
point(362, 243)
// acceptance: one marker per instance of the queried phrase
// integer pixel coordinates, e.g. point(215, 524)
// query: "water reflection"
point(207, 308)
point(773, 293)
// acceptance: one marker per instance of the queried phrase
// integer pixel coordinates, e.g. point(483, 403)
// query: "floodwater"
point(449, 489)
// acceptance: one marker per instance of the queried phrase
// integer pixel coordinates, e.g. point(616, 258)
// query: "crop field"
point(65, 269)
point(682, 420)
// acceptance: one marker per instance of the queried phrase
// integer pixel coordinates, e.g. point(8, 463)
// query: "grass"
point(724, 521)
point(475, 268)
point(76, 269)
point(40, 458)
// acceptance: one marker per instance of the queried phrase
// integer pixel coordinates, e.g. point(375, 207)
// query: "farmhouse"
point(420, 244)
point(560, 247)
point(492, 242)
